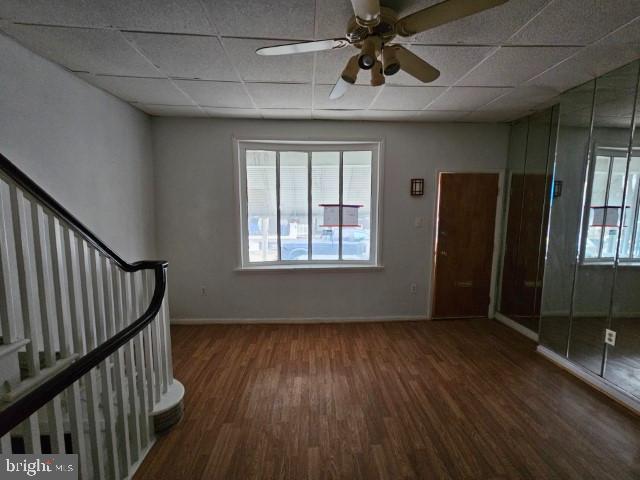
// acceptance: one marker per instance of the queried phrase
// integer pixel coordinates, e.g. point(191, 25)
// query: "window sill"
point(307, 268)
point(610, 264)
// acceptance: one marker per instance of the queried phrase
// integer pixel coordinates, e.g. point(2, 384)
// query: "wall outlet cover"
point(610, 337)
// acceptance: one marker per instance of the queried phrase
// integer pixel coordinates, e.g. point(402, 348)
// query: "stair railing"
point(85, 354)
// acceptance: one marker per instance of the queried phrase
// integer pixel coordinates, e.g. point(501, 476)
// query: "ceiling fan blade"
point(367, 12)
point(339, 89)
point(346, 79)
point(415, 66)
point(303, 47)
point(441, 13)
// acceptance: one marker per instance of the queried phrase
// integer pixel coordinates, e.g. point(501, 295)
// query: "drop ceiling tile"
point(576, 22)
point(491, 27)
point(627, 35)
point(332, 17)
point(80, 49)
point(329, 65)
point(256, 68)
point(280, 95)
point(77, 13)
point(453, 62)
point(357, 97)
point(287, 113)
point(467, 98)
point(496, 116)
point(511, 66)
point(406, 98)
point(232, 112)
point(216, 94)
point(590, 63)
point(171, 110)
point(174, 16)
point(524, 97)
point(263, 18)
point(159, 91)
point(185, 56)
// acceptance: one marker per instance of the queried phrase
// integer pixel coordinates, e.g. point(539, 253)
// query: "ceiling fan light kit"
point(369, 52)
point(350, 72)
point(390, 61)
point(373, 28)
point(377, 76)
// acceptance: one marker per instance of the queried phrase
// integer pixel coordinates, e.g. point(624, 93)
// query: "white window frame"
point(611, 152)
point(375, 146)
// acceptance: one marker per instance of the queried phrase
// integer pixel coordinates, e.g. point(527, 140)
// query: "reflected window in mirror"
point(604, 225)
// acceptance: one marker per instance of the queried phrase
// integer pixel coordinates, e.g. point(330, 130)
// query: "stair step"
point(7, 349)
point(28, 384)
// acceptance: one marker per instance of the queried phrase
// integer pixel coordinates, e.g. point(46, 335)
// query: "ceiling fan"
point(373, 28)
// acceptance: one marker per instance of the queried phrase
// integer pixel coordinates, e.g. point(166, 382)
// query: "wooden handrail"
point(20, 410)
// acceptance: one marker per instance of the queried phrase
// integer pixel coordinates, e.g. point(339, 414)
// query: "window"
point(308, 204)
point(606, 207)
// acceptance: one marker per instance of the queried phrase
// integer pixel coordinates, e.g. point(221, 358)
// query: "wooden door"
point(464, 244)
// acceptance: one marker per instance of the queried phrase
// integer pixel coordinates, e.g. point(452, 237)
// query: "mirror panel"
point(622, 366)
point(601, 216)
point(528, 186)
point(574, 122)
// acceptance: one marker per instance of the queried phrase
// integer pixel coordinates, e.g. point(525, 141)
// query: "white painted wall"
point(197, 227)
point(89, 150)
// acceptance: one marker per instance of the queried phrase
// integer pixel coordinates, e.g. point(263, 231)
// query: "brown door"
point(464, 246)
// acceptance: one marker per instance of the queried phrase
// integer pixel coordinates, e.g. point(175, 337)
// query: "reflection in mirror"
point(575, 109)
point(523, 260)
point(622, 366)
point(601, 215)
point(515, 179)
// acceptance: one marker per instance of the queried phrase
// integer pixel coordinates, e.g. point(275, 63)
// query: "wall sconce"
point(417, 187)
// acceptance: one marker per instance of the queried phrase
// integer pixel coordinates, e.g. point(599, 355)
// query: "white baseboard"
point(516, 326)
point(240, 321)
point(599, 383)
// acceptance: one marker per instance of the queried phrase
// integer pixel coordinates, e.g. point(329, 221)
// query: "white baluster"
point(10, 309)
point(105, 373)
point(134, 427)
point(115, 313)
point(91, 382)
point(167, 323)
point(30, 303)
point(72, 267)
point(136, 294)
point(163, 346)
point(5, 445)
point(148, 343)
point(155, 340)
point(44, 269)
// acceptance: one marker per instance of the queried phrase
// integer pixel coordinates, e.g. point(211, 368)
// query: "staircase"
point(85, 348)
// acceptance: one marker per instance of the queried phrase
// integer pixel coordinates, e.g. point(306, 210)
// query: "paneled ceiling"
point(197, 57)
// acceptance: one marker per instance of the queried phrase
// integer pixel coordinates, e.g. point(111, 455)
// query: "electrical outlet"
point(418, 222)
point(413, 288)
point(610, 337)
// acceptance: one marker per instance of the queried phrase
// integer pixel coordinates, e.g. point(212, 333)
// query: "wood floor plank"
point(431, 400)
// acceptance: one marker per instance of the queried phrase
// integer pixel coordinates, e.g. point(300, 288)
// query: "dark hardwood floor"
point(430, 400)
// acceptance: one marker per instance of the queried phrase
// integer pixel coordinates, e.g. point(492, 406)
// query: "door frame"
point(497, 237)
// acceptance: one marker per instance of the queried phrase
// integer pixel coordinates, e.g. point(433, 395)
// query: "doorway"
point(464, 244)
